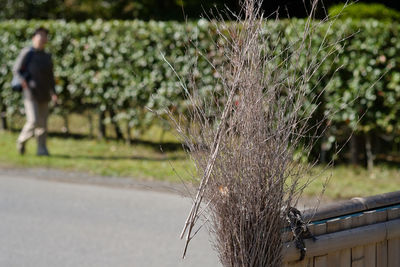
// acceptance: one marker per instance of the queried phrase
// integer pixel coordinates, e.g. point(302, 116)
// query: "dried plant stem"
point(245, 152)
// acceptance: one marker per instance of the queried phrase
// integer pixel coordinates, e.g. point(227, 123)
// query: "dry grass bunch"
point(245, 154)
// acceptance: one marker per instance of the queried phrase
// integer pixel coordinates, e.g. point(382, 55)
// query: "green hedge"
point(118, 66)
point(112, 65)
point(364, 11)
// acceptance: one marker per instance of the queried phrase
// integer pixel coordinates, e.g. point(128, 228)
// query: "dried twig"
point(245, 152)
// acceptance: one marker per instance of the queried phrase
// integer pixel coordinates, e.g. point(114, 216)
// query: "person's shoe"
point(21, 148)
point(43, 152)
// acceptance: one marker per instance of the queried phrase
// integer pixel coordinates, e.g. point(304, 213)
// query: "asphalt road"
point(49, 223)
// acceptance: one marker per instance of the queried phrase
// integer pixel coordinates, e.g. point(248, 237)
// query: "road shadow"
point(135, 158)
point(156, 146)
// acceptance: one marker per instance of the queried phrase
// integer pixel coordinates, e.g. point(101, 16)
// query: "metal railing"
point(358, 232)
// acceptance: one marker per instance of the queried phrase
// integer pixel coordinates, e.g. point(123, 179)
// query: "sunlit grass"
point(349, 181)
point(144, 160)
point(110, 158)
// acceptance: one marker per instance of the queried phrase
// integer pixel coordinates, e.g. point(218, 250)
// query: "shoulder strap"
point(28, 59)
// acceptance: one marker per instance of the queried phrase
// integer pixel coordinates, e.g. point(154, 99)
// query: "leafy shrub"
point(119, 66)
point(364, 11)
point(114, 65)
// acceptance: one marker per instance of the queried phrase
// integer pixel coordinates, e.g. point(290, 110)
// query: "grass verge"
point(110, 158)
point(144, 160)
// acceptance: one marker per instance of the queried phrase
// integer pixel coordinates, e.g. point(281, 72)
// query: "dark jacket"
point(39, 74)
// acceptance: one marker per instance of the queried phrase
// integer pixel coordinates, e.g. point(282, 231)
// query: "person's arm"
point(54, 96)
point(19, 67)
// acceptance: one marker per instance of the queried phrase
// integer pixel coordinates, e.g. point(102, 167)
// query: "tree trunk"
point(128, 133)
point(368, 151)
point(162, 135)
point(66, 124)
point(323, 158)
point(102, 126)
point(4, 125)
point(118, 132)
point(353, 150)
point(90, 121)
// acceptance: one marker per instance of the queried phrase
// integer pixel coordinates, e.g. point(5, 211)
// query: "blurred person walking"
point(34, 69)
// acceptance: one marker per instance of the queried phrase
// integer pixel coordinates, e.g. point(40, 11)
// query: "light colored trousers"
point(36, 123)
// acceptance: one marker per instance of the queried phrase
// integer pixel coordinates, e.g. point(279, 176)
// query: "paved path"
point(48, 223)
